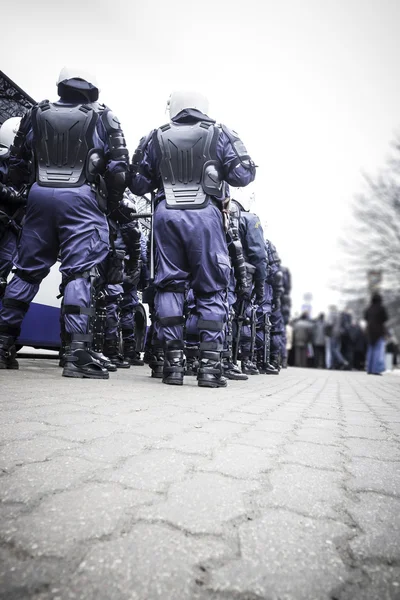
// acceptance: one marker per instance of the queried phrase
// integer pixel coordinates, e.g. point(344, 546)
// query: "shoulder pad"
point(110, 120)
point(229, 132)
point(42, 103)
point(237, 144)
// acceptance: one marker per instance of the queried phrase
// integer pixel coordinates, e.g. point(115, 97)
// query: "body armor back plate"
point(188, 164)
point(63, 140)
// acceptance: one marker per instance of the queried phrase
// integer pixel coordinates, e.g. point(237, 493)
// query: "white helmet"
point(8, 131)
point(244, 197)
point(84, 82)
point(180, 100)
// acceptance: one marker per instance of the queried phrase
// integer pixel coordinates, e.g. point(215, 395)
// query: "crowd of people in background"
point(337, 340)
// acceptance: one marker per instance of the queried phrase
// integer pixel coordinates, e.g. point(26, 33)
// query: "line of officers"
point(215, 289)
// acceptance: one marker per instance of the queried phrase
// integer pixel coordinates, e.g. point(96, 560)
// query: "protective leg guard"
point(192, 360)
point(248, 367)
point(174, 360)
point(8, 353)
point(111, 351)
point(79, 363)
point(156, 362)
point(210, 370)
point(232, 371)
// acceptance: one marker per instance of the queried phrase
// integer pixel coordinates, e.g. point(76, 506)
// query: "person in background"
point(319, 341)
point(359, 344)
point(302, 334)
point(335, 360)
point(376, 317)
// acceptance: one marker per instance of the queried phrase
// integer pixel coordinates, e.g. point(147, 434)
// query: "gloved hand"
point(259, 291)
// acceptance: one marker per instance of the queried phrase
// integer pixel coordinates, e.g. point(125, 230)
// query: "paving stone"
point(374, 449)
point(271, 441)
point(21, 576)
point(381, 582)
point(312, 455)
point(223, 430)
point(158, 429)
point(370, 433)
point(65, 419)
point(153, 470)
point(236, 416)
point(369, 474)
point(32, 481)
point(305, 490)
point(88, 431)
point(321, 423)
point(378, 518)
point(24, 430)
point(283, 555)
point(318, 435)
point(112, 448)
point(244, 462)
point(273, 425)
point(192, 442)
point(123, 569)
point(92, 511)
point(202, 504)
point(37, 449)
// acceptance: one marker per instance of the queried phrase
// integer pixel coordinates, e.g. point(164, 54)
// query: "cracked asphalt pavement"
point(279, 488)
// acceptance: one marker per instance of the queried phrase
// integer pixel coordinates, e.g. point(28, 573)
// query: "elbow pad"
point(243, 158)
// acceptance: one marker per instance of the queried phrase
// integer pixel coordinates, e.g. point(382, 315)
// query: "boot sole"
point(211, 385)
point(173, 382)
point(80, 375)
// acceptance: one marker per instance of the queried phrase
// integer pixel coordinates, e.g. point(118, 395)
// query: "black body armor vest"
point(188, 164)
point(63, 140)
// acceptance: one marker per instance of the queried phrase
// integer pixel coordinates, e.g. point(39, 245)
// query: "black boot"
point(174, 360)
point(248, 367)
point(232, 371)
point(104, 361)
point(265, 368)
point(156, 362)
point(271, 369)
point(111, 351)
point(210, 370)
point(275, 363)
point(284, 362)
point(192, 360)
point(79, 363)
point(8, 353)
point(130, 353)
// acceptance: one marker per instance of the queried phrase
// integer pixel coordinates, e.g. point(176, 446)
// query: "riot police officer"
point(11, 205)
point(252, 238)
point(65, 210)
point(187, 161)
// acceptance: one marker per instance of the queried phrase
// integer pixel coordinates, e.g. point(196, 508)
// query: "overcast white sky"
point(311, 86)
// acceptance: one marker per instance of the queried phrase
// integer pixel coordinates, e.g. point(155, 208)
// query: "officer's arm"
point(20, 161)
point(117, 157)
point(238, 168)
point(144, 168)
